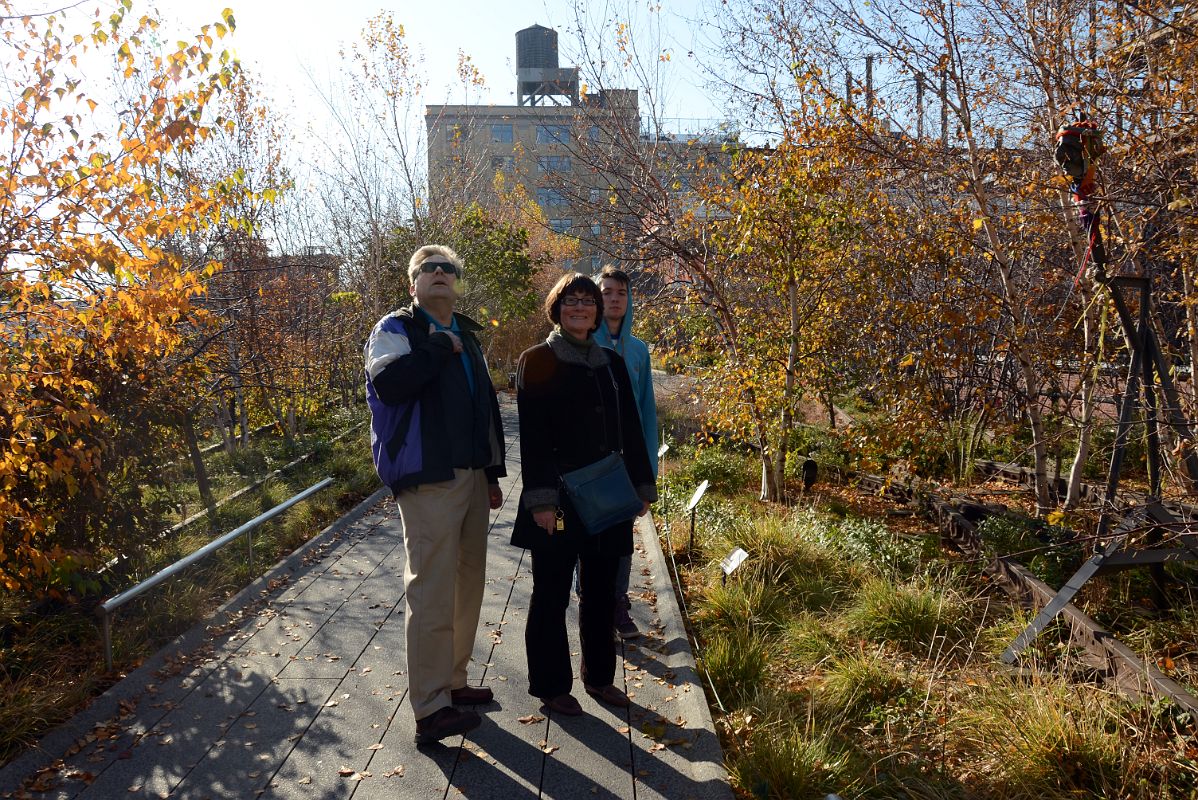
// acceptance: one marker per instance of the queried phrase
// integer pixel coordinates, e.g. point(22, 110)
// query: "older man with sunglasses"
point(438, 444)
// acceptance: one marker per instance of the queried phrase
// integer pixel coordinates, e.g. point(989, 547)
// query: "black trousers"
point(545, 640)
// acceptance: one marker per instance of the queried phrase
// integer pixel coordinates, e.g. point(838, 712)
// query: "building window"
point(550, 198)
point(501, 133)
point(454, 132)
point(551, 134)
point(596, 196)
point(503, 163)
point(596, 264)
point(593, 133)
point(596, 229)
point(553, 163)
point(560, 224)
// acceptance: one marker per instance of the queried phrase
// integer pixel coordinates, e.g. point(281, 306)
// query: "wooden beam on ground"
point(1129, 673)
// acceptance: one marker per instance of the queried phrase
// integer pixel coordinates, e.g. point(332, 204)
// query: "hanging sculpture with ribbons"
point(1078, 146)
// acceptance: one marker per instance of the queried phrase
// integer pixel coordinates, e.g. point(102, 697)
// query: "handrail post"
point(693, 507)
point(107, 619)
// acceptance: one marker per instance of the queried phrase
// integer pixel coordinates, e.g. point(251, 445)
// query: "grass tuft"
point(912, 616)
point(1040, 740)
point(857, 682)
point(736, 662)
point(743, 606)
point(807, 641)
point(782, 761)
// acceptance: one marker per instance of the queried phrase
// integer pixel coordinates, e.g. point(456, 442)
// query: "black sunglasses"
point(446, 267)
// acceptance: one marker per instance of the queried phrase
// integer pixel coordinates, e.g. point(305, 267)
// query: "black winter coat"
point(574, 405)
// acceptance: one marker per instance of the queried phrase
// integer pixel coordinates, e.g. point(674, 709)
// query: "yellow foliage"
point(97, 313)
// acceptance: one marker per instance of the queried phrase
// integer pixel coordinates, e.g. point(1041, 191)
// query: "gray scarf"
point(569, 352)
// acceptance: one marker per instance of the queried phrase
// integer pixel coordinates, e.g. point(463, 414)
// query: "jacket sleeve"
point(648, 409)
point(636, 456)
point(398, 371)
point(534, 400)
point(498, 467)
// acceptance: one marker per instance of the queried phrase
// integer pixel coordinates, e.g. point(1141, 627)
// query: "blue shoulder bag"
point(602, 493)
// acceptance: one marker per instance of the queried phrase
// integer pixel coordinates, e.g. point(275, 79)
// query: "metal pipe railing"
point(110, 605)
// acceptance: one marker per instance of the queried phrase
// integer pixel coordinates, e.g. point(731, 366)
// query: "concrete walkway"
point(296, 689)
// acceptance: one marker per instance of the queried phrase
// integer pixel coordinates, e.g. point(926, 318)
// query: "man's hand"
point(644, 508)
point(495, 495)
point(453, 338)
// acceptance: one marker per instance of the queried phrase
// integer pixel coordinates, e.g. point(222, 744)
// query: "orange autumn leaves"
point(97, 287)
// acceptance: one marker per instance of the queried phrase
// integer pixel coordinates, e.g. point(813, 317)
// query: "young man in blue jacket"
point(616, 333)
point(438, 444)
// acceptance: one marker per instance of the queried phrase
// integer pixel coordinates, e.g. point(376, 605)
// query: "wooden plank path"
point(296, 689)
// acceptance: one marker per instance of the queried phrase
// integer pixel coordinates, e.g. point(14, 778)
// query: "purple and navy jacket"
point(425, 420)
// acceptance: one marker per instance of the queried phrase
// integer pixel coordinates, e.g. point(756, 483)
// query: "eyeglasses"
point(578, 301)
point(432, 266)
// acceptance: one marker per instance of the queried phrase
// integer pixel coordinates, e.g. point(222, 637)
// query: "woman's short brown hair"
point(573, 283)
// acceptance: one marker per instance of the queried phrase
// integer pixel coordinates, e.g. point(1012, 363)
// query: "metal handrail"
point(110, 605)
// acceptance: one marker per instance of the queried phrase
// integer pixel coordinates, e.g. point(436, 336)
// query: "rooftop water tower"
point(539, 80)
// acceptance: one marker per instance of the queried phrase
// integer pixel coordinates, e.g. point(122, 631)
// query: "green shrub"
point(872, 545)
point(1047, 550)
point(820, 443)
point(249, 461)
point(728, 472)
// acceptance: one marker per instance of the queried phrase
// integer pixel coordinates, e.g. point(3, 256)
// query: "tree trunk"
point(243, 413)
point(223, 424)
point(1073, 495)
point(187, 423)
point(1089, 379)
point(1039, 443)
point(1190, 285)
point(769, 483)
point(788, 388)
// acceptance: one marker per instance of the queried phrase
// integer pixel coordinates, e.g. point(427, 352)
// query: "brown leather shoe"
point(609, 694)
point(447, 721)
point(471, 695)
point(564, 704)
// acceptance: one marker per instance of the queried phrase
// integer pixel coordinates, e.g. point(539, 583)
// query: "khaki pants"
point(445, 538)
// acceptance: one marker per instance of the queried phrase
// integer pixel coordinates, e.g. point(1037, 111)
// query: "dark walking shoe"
point(609, 694)
point(471, 695)
point(444, 722)
point(563, 704)
point(625, 627)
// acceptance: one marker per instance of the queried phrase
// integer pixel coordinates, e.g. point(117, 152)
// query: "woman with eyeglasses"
point(576, 406)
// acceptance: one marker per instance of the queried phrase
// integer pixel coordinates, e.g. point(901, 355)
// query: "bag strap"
point(619, 417)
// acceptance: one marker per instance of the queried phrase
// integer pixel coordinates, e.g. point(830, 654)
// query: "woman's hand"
point(546, 520)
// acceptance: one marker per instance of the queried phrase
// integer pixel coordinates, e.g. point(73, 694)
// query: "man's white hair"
point(427, 252)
